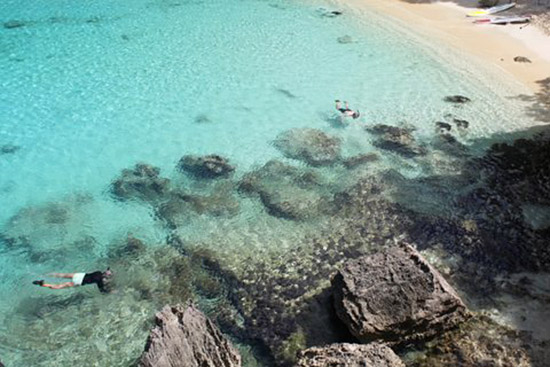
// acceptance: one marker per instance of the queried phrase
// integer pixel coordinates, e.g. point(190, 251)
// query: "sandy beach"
point(498, 45)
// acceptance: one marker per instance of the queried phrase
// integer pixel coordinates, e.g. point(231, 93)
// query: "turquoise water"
point(88, 89)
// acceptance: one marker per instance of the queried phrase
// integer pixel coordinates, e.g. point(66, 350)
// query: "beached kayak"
point(493, 10)
point(504, 20)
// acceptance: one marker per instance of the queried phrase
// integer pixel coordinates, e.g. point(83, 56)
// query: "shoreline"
point(496, 45)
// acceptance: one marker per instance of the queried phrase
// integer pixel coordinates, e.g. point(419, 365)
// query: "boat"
point(504, 20)
point(493, 10)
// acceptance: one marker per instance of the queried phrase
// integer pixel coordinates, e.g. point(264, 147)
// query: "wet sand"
point(495, 44)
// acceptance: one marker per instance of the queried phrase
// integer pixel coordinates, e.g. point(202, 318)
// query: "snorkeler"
point(78, 279)
point(346, 111)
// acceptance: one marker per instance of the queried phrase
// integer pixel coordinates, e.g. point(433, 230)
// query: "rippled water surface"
point(90, 89)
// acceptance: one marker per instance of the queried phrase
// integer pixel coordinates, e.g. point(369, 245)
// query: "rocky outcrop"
point(349, 355)
point(457, 99)
point(309, 145)
point(142, 182)
point(184, 336)
point(395, 296)
point(206, 167)
point(397, 139)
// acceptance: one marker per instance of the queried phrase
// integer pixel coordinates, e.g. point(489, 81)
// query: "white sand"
point(496, 44)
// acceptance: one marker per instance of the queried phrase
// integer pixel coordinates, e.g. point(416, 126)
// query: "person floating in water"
point(346, 111)
point(78, 279)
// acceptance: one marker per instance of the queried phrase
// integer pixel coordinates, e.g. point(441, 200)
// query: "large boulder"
point(349, 355)
point(207, 167)
point(397, 139)
point(309, 145)
point(395, 296)
point(185, 337)
point(142, 182)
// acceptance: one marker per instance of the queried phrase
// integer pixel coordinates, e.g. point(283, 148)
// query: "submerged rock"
point(9, 149)
point(461, 123)
point(177, 210)
point(309, 145)
point(14, 24)
point(142, 182)
point(286, 191)
point(443, 126)
point(207, 167)
point(344, 39)
point(349, 355)
point(185, 337)
point(479, 342)
point(358, 160)
point(457, 99)
point(522, 59)
point(397, 139)
point(396, 297)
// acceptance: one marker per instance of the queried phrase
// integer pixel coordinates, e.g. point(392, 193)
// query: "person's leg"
point(62, 275)
point(338, 104)
point(58, 286)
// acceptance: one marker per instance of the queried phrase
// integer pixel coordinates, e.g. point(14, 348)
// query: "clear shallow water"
point(90, 89)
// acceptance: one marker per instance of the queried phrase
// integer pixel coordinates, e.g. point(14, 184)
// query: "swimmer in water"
point(346, 111)
point(77, 279)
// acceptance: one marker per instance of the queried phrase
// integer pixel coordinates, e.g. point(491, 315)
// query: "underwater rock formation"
point(349, 355)
point(178, 209)
point(206, 167)
point(457, 99)
point(359, 160)
point(14, 24)
point(142, 182)
point(478, 342)
point(285, 191)
point(9, 149)
point(396, 139)
point(344, 39)
point(522, 59)
point(449, 144)
point(309, 145)
point(396, 297)
point(184, 336)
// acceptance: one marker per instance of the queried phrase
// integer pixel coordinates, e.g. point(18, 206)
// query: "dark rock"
point(457, 99)
point(345, 39)
point(360, 159)
point(443, 126)
point(202, 119)
point(184, 337)
point(14, 24)
point(521, 59)
point(449, 144)
point(397, 139)
point(396, 297)
point(349, 355)
point(461, 123)
point(207, 167)
point(309, 145)
point(9, 149)
point(143, 182)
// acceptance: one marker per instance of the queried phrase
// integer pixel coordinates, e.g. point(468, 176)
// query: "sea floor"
point(101, 101)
